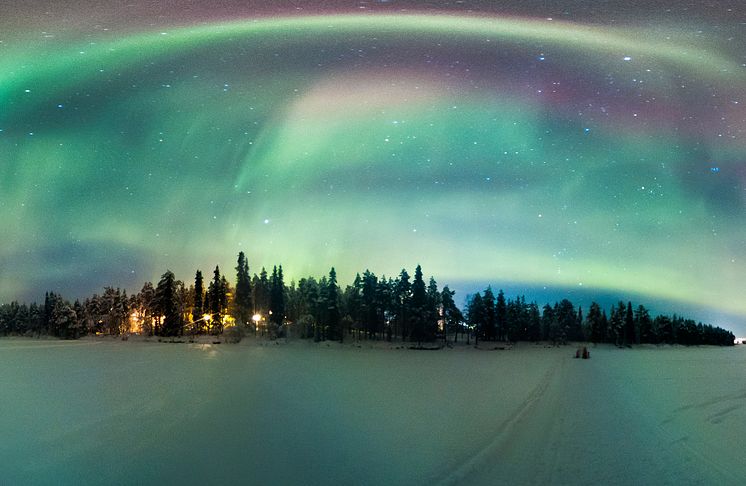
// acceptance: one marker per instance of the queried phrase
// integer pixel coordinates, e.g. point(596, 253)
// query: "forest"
point(403, 308)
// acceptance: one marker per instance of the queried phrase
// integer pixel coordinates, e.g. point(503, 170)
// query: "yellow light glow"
point(256, 317)
point(207, 317)
point(135, 323)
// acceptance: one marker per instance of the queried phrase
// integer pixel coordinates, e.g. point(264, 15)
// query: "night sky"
point(558, 149)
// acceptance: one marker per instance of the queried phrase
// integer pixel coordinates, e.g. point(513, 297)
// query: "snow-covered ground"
point(98, 411)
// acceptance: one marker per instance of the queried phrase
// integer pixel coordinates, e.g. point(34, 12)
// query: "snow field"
point(92, 412)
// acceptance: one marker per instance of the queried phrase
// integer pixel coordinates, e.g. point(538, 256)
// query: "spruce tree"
point(215, 298)
point(433, 310)
point(616, 323)
point(198, 298)
point(418, 317)
point(225, 295)
point(518, 319)
point(308, 288)
point(277, 300)
point(244, 306)
point(534, 322)
point(49, 301)
point(452, 316)
point(165, 295)
point(489, 330)
point(664, 327)
point(548, 324)
point(384, 307)
point(79, 327)
point(475, 316)
point(644, 325)
point(403, 303)
point(262, 291)
point(369, 304)
point(331, 303)
point(629, 326)
point(353, 301)
point(567, 320)
point(501, 317)
point(594, 323)
point(64, 319)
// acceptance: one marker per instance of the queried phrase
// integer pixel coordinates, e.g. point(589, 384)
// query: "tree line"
point(401, 308)
point(496, 319)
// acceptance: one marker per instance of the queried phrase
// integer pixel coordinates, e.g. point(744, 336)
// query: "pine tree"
point(331, 304)
point(419, 307)
point(452, 316)
point(644, 325)
point(517, 322)
point(207, 310)
point(568, 327)
point(216, 299)
point(308, 288)
point(225, 295)
point(266, 290)
point(114, 310)
point(501, 317)
point(166, 304)
point(261, 293)
point(277, 300)
point(595, 324)
point(616, 323)
point(403, 299)
point(292, 302)
point(386, 291)
point(489, 331)
point(369, 304)
point(549, 324)
point(663, 328)
point(49, 301)
point(145, 308)
point(433, 310)
point(475, 316)
point(352, 299)
point(244, 306)
point(78, 329)
point(182, 306)
point(629, 325)
point(64, 319)
point(534, 322)
point(122, 312)
point(198, 310)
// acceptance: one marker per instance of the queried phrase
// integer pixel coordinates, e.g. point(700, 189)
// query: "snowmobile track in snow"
point(485, 455)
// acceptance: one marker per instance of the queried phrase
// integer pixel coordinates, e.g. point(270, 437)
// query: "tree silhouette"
point(165, 295)
point(244, 307)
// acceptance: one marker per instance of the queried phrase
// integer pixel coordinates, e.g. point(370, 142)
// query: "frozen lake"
point(110, 412)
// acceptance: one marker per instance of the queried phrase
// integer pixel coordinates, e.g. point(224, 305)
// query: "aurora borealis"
point(599, 152)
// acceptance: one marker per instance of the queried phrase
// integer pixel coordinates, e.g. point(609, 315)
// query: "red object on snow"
point(586, 353)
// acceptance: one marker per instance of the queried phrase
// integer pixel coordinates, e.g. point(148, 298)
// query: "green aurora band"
point(286, 138)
